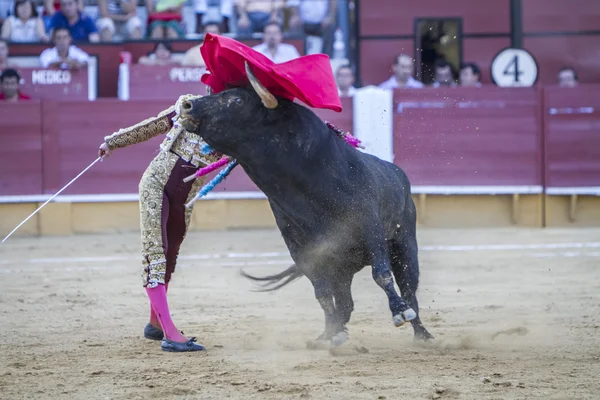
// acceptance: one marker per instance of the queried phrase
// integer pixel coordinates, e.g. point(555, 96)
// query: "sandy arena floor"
point(515, 313)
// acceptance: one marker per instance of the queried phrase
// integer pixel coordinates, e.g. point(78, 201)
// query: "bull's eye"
point(235, 100)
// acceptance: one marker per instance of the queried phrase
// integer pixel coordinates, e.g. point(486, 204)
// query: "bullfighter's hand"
point(104, 151)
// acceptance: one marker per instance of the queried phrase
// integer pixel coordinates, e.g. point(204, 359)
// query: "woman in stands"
point(161, 55)
point(24, 25)
point(164, 217)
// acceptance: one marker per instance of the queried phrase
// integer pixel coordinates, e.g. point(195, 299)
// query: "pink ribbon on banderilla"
point(351, 140)
point(208, 169)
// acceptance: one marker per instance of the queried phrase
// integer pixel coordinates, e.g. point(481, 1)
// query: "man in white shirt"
point(345, 79)
point(403, 68)
point(273, 48)
point(443, 75)
point(63, 55)
point(315, 18)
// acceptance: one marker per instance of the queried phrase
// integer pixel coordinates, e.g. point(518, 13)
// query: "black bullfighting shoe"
point(152, 333)
point(176, 347)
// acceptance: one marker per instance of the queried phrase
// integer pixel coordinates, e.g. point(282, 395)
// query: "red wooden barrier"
point(468, 136)
point(20, 148)
point(42, 83)
point(74, 130)
point(572, 136)
point(487, 136)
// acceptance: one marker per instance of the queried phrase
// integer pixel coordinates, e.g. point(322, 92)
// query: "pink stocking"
point(153, 318)
point(158, 301)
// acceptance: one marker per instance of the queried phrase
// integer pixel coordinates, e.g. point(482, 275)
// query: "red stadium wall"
point(556, 32)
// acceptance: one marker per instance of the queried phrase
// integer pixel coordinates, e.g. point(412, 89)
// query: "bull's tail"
point(290, 275)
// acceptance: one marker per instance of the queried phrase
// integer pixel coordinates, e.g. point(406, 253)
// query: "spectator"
point(345, 81)
point(24, 25)
point(567, 77)
point(165, 19)
point(193, 57)
point(81, 27)
point(403, 69)
point(121, 16)
point(51, 7)
point(209, 12)
point(470, 75)
point(254, 15)
point(3, 54)
point(273, 48)
point(161, 55)
point(315, 18)
point(443, 74)
point(9, 86)
point(63, 55)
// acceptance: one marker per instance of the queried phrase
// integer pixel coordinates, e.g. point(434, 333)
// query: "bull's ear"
point(267, 98)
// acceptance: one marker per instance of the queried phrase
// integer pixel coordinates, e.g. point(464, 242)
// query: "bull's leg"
point(344, 306)
point(324, 294)
point(382, 274)
point(405, 266)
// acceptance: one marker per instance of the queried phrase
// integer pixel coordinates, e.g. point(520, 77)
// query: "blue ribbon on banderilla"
point(214, 181)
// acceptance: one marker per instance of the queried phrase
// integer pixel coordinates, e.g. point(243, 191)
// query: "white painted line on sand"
point(271, 255)
point(120, 267)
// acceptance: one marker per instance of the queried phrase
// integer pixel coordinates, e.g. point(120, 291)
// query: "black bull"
point(338, 209)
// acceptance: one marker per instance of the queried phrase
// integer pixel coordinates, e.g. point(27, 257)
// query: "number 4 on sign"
point(514, 68)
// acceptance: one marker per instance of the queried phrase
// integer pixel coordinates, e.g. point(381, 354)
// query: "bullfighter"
point(164, 218)
point(163, 191)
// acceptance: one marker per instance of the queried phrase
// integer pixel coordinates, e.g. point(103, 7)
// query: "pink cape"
point(308, 78)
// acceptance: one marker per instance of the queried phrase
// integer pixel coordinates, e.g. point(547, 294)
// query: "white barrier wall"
point(373, 121)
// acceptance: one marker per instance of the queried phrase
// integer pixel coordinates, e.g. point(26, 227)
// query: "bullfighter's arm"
point(140, 132)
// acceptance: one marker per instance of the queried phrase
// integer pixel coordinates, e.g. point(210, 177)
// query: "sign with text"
point(151, 82)
point(54, 84)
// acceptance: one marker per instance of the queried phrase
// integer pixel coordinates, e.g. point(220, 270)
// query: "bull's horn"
point(267, 98)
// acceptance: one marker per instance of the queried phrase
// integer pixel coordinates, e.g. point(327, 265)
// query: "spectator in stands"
point(567, 77)
point(24, 25)
point(254, 15)
point(403, 69)
point(470, 75)
point(161, 55)
point(165, 19)
point(443, 74)
point(118, 16)
point(193, 57)
point(9, 86)
point(63, 55)
point(3, 54)
point(51, 7)
point(345, 81)
point(209, 12)
point(315, 18)
point(272, 45)
point(81, 27)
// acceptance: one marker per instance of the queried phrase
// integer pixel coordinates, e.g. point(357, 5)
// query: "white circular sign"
point(514, 68)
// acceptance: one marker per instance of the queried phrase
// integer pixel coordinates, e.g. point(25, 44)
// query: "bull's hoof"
point(404, 317)
point(152, 333)
point(318, 344)
point(339, 339)
point(423, 336)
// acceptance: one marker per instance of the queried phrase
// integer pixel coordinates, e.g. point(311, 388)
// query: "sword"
point(50, 199)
